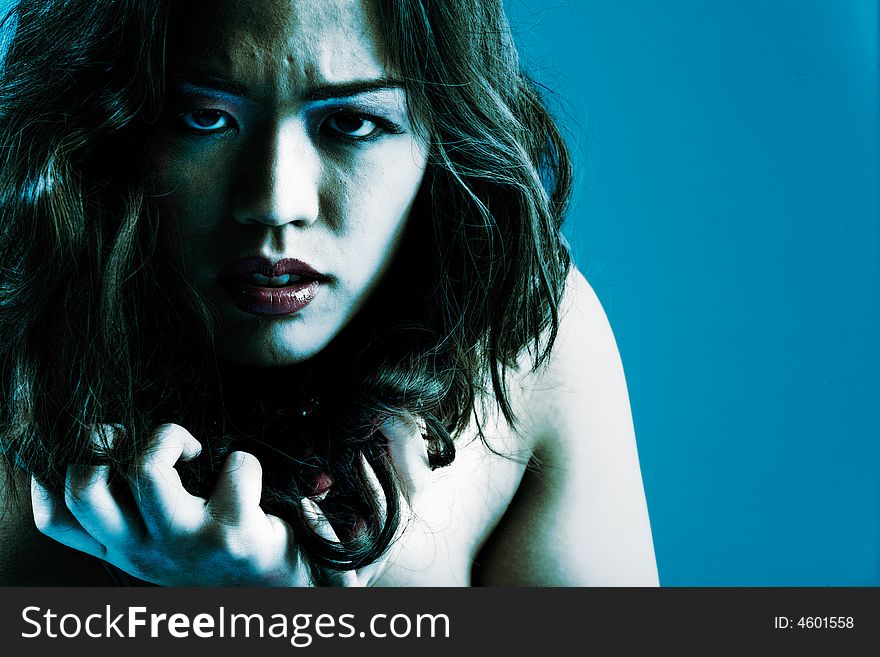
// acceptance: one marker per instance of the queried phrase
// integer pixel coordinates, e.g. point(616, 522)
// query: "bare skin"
point(269, 170)
point(287, 138)
point(577, 516)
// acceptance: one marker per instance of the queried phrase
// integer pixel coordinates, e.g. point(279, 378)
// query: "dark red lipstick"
point(259, 287)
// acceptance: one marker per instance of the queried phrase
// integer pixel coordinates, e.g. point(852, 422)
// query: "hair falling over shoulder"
point(100, 326)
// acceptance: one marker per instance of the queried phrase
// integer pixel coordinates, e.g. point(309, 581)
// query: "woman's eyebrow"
point(352, 88)
point(324, 91)
point(212, 82)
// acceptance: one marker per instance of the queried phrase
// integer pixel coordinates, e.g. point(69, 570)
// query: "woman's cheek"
point(195, 197)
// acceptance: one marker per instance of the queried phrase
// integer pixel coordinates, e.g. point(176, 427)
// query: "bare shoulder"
point(584, 378)
point(580, 515)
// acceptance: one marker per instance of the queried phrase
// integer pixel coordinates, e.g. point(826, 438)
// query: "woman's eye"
point(352, 126)
point(206, 121)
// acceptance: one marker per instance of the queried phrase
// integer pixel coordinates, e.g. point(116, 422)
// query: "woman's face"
point(290, 165)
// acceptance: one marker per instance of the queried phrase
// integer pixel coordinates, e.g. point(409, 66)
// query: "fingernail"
point(104, 435)
point(310, 508)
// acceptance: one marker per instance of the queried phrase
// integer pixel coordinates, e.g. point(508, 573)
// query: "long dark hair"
point(89, 271)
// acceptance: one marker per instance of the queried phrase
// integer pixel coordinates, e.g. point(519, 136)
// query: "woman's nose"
point(279, 181)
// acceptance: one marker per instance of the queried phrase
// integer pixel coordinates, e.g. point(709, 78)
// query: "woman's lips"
point(272, 301)
point(261, 288)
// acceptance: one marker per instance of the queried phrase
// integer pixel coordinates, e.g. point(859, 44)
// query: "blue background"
point(727, 215)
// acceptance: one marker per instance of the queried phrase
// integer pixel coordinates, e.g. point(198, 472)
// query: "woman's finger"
point(56, 521)
point(409, 453)
point(375, 487)
point(238, 489)
point(91, 502)
point(104, 435)
point(372, 571)
point(282, 539)
point(157, 488)
point(322, 527)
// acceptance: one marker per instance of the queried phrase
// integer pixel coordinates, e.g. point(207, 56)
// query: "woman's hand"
point(409, 454)
point(171, 537)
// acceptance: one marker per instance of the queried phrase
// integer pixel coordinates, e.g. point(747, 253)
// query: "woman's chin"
point(268, 349)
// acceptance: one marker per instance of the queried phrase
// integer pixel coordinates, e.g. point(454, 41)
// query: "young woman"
point(284, 301)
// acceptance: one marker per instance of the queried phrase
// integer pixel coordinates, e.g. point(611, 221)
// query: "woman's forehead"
point(279, 45)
